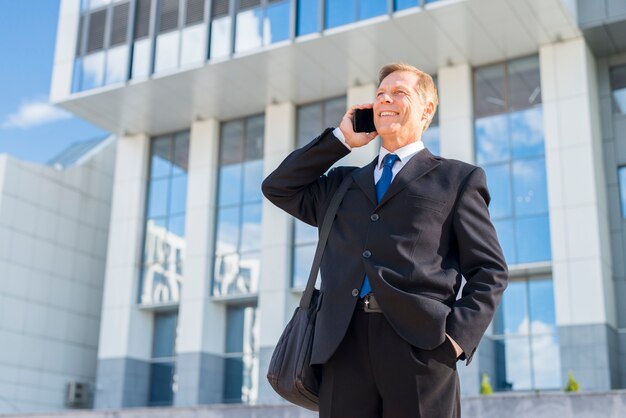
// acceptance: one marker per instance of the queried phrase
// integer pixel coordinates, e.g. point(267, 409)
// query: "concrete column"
point(456, 112)
point(580, 239)
point(276, 301)
point(67, 34)
point(125, 330)
point(364, 155)
point(201, 322)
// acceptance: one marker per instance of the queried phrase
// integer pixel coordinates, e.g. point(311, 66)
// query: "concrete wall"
point(53, 235)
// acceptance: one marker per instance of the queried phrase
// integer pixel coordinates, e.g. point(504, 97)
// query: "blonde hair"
point(425, 87)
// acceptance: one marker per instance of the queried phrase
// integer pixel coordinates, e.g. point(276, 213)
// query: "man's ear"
point(428, 111)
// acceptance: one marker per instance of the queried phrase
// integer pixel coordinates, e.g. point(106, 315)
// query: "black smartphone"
point(363, 120)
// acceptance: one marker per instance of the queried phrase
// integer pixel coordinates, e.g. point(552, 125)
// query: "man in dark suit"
point(391, 325)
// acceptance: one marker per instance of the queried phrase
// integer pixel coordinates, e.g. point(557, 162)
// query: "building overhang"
point(318, 66)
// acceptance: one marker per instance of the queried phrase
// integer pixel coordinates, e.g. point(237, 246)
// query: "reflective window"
point(102, 53)
point(193, 45)
point(404, 4)
point(339, 12)
point(312, 119)
point(164, 246)
point(162, 367)
point(308, 17)
point(221, 45)
point(510, 147)
point(239, 203)
point(622, 189)
point(241, 368)
point(262, 25)
point(166, 54)
point(618, 88)
point(525, 343)
point(371, 8)
point(142, 42)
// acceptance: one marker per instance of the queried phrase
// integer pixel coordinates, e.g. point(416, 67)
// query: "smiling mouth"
point(385, 114)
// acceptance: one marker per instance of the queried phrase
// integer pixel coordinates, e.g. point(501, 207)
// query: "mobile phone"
point(363, 120)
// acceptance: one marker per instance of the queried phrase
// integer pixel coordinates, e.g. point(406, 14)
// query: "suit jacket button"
point(355, 292)
point(375, 217)
point(367, 253)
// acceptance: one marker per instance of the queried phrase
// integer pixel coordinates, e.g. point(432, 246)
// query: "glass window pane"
point(517, 364)
point(233, 379)
point(533, 239)
point(492, 139)
point(276, 23)
point(302, 259)
point(117, 65)
point(178, 195)
point(251, 228)
point(304, 233)
point(166, 54)
point(431, 139)
point(334, 109)
point(227, 230)
point(176, 226)
point(77, 75)
point(164, 337)
point(524, 82)
point(308, 16)
point(489, 97)
point(141, 59)
point(499, 184)
point(220, 37)
point(541, 296)
point(527, 132)
point(530, 187)
point(249, 272)
point(546, 359)
point(161, 384)
point(506, 237)
point(93, 71)
point(155, 228)
point(371, 8)
point(253, 177)
point(242, 339)
point(618, 88)
point(225, 275)
point(181, 153)
point(230, 180)
point(339, 12)
point(193, 45)
point(248, 28)
point(404, 4)
point(231, 142)
point(309, 123)
point(622, 189)
point(514, 306)
point(255, 127)
point(158, 197)
point(161, 162)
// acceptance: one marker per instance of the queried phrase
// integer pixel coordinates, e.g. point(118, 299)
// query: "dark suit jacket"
point(431, 227)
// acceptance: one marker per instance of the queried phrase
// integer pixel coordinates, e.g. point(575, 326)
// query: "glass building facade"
point(239, 202)
point(164, 244)
point(510, 147)
point(120, 40)
point(163, 365)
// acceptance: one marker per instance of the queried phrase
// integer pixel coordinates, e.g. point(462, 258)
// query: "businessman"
point(392, 323)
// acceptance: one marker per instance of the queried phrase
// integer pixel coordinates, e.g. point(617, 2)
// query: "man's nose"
point(385, 98)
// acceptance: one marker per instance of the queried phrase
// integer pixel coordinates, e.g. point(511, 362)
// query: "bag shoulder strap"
point(305, 301)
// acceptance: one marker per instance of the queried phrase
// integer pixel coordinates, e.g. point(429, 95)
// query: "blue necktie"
point(381, 188)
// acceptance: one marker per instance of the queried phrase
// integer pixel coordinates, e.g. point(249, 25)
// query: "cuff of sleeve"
point(339, 135)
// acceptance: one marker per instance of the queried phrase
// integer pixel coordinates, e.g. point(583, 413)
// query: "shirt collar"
point(405, 153)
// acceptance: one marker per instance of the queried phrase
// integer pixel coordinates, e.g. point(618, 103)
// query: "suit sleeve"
point(299, 185)
point(481, 262)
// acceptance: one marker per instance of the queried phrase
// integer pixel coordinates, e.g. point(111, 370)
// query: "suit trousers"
point(374, 373)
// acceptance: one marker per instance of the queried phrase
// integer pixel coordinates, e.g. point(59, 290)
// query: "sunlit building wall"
point(207, 97)
point(54, 228)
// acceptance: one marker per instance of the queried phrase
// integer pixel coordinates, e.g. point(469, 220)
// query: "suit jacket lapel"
point(420, 164)
point(364, 178)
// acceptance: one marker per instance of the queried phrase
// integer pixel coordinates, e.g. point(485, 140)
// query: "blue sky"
point(29, 128)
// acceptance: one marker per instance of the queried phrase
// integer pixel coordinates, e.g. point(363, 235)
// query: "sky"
point(30, 128)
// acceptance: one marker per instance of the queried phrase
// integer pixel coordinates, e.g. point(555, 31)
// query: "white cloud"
point(34, 113)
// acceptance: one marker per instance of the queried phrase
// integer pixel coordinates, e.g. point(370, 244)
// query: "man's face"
point(397, 108)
